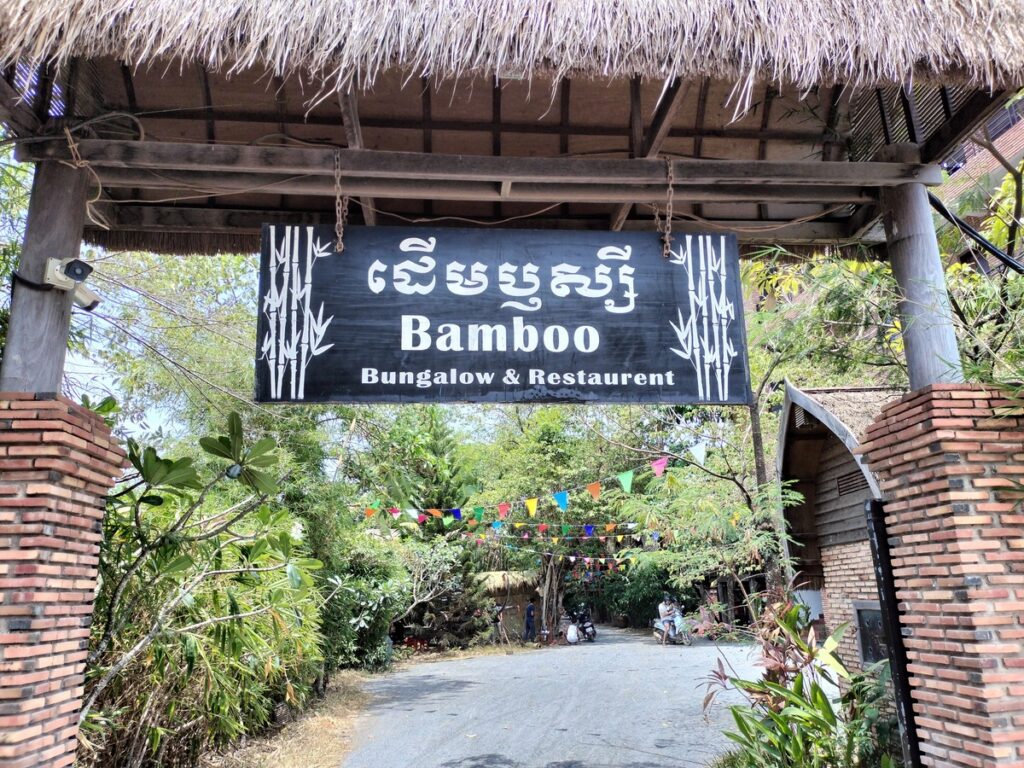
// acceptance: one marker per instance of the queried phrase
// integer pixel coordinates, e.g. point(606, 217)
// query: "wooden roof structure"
point(199, 122)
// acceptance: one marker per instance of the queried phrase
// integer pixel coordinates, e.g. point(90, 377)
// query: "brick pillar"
point(946, 460)
point(57, 462)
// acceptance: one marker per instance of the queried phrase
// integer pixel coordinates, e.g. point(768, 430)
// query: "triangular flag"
point(626, 480)
point(421, 518)
point(519, 525)
point(377, 504)
point(447, 521)
point(472, 522)
point(435, 512)
point(496, 524)
point(589, 529)
point(619, 538)
point(595, 490)
point(457, 514)
point(562, 500)
point(565, 529)
point(478, 513)
point(503, 509)
point(554, 539)
point(370, 512)
point(655, 535)
point(531, 507)
point(542, 527)
point(395, 512)
point(699, 452)
point(658, 465)
point(602, 538)
point(610, 527)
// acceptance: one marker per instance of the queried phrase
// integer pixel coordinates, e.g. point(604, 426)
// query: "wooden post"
point(928, 338)
point(37, 337)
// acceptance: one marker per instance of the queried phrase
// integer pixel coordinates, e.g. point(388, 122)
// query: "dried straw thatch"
point(796, 42)
point(494, 582)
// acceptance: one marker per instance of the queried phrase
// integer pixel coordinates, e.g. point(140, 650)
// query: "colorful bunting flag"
point(395, 512)
point(610, 527)
point(619, 538)
point(370, 512)
point(595, 490)
point(589, 529)
point(655, 535)
point(435, 512)
point(562, 500)
point(503, 509)
point(565, 529)
point(699, 452)
point(478, 513)
point(421, 518)
point(496, 524)
point(626, 480)
point(542, 527)
point(658, 465)
point(531, 507)
point(377, 505)
point(457, 514)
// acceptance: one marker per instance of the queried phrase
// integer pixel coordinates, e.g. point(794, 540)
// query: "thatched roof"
point(500, 581)
point(855, 407)
point(797, 42)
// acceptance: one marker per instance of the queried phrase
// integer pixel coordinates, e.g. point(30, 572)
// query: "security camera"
point(85, 297)
point(76, 269)
point(66, 274)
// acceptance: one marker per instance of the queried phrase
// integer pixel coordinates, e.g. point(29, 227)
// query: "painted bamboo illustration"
point(704, 335)
point(294, 334)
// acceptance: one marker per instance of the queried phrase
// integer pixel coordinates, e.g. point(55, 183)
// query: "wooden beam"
point(15, 113)
point(354, 139)
point(221, 183)
point(664, 114)
point(789, 136)
point(953, 132)
point(636, 118)
point(37, 338)
point(910, 114)
point(428, 133)
point(565, 100)
point(164, 219)
point(762, 146)
point(702, 105)
point(361, 165)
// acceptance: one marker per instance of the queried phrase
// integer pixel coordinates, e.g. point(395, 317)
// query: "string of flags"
point(560, 498)
point(593, 562)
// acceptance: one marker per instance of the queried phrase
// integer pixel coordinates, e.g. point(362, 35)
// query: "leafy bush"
point(790, 719)
point(206, 616)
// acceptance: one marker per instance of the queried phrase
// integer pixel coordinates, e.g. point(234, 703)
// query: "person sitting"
point(666, 615)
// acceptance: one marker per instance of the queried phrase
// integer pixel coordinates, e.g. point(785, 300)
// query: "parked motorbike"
point(584, 624)
point(678, 633)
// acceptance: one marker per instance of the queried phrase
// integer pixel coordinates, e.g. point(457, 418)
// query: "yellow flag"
point(554, 540)
point(619, 538)
point(531, 507)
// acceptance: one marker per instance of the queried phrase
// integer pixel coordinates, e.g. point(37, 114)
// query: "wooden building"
point(819, 432)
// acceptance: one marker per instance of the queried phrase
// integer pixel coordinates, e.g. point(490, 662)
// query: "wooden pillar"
point(37, 337)
point(929, 341)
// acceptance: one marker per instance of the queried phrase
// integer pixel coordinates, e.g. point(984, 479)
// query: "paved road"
point(622, 702)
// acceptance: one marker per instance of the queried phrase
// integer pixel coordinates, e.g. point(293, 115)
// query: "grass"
point(318, 738)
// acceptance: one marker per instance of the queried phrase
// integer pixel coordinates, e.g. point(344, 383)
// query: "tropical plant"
point(206, 615)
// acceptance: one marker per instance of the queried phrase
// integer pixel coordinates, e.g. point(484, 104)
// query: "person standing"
point(529, 625)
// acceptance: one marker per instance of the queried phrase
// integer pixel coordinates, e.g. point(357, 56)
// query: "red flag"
point(503, 509)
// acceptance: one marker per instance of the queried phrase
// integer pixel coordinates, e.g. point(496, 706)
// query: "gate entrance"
point(181, 130)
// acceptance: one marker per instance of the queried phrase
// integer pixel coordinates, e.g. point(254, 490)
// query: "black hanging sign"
point(498, 316)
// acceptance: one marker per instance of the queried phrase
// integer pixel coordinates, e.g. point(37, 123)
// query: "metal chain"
point(666, 230)
point(340, 206)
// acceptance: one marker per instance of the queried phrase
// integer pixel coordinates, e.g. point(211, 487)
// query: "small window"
point(851, 482)
point(870, 633)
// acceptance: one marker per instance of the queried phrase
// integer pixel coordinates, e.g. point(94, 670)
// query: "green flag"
point(626, 481)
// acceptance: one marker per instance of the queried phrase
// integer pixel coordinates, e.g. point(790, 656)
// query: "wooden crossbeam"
point(665, 113)
point(222, 183)
point(362, 165)
point(164, 218)
point(789, 136)
point(354, 138)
